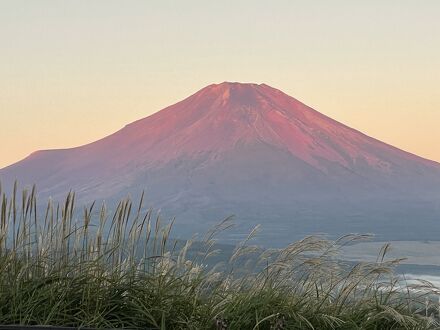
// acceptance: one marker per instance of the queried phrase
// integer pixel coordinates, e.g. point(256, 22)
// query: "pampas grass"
point(89, 268)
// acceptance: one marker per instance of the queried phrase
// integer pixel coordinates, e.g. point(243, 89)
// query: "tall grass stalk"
point(60, 266)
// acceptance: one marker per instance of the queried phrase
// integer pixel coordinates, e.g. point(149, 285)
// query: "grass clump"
point(123, 271)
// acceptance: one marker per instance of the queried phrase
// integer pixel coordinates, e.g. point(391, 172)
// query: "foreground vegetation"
point(92, 269)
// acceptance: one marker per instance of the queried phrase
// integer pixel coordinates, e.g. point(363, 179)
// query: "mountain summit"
point(246, 149)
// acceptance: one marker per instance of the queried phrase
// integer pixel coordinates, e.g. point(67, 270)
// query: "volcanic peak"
point(234, 94)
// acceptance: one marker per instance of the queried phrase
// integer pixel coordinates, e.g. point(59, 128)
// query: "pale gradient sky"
point(74, 71)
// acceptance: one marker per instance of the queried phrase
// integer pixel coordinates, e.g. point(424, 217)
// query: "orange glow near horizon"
point(74, 72)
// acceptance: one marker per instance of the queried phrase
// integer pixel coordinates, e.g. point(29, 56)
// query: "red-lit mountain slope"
point(248, 146)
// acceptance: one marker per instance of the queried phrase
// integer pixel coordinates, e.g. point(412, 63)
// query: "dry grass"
point(94, 269)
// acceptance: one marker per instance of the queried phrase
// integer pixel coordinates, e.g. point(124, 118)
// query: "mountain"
point(252, 151)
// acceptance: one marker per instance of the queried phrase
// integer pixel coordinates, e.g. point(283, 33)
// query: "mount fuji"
point(252, 151)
